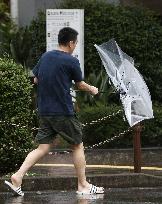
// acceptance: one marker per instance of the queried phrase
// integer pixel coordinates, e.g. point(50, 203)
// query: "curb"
point(70, 183)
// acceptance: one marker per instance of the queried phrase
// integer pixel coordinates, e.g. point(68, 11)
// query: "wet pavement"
point(55, 171)
point(111, 196)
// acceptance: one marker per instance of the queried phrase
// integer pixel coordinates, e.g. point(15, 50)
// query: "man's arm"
point(86, 87)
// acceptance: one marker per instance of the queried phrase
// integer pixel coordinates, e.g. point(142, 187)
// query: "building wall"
point(28, 9)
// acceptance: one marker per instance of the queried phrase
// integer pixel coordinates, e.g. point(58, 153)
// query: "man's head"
point(67, 38)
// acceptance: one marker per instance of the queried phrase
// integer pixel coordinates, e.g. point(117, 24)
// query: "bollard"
point(137, 148)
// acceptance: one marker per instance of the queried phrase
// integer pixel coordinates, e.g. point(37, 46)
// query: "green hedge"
point(152, 129)
point(15, 108)
point(151, 134)
point(98, 132)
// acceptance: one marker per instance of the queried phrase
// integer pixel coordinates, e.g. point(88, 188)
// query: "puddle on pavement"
point(111, 196)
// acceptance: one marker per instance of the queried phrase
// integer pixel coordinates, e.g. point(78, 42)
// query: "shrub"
point(14, 41)
point(152, 131)
point(106, 129)
point(15, 108)
point(37, 30)
point(107, 93)
point(20, 46)
point(151, 134)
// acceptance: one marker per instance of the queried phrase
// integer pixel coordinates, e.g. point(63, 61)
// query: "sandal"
point(93, 190)
point(17, 190)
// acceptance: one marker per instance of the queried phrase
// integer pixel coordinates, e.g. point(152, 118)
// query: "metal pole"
point(137, 148)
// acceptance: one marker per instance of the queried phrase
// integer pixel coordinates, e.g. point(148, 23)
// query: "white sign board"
point(59, 18)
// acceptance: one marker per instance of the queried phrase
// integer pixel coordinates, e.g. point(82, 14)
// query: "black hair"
point(66, 35)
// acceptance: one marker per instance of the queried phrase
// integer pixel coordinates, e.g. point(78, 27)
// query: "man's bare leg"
point(80, 165)
point(30, 160)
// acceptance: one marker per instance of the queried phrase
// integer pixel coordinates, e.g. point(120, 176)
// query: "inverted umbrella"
point(134, 93)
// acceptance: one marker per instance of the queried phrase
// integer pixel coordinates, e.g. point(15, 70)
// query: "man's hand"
point(93, 90)
point(35, 80)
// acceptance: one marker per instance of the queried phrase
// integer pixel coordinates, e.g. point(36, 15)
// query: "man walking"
point(54, 74)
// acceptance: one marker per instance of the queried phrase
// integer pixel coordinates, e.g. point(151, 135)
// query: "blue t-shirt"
point(55, 72)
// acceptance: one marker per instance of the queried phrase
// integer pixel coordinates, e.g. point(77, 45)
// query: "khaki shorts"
point(66, 126)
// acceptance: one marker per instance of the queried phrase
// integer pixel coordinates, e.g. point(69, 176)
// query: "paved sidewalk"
point(56, 172)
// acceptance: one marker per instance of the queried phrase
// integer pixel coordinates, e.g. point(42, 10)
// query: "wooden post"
point(137, 148)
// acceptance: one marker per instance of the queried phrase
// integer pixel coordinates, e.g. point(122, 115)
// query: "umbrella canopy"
point(133, 90)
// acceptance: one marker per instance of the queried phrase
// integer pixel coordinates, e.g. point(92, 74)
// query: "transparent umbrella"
point(134, 93)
